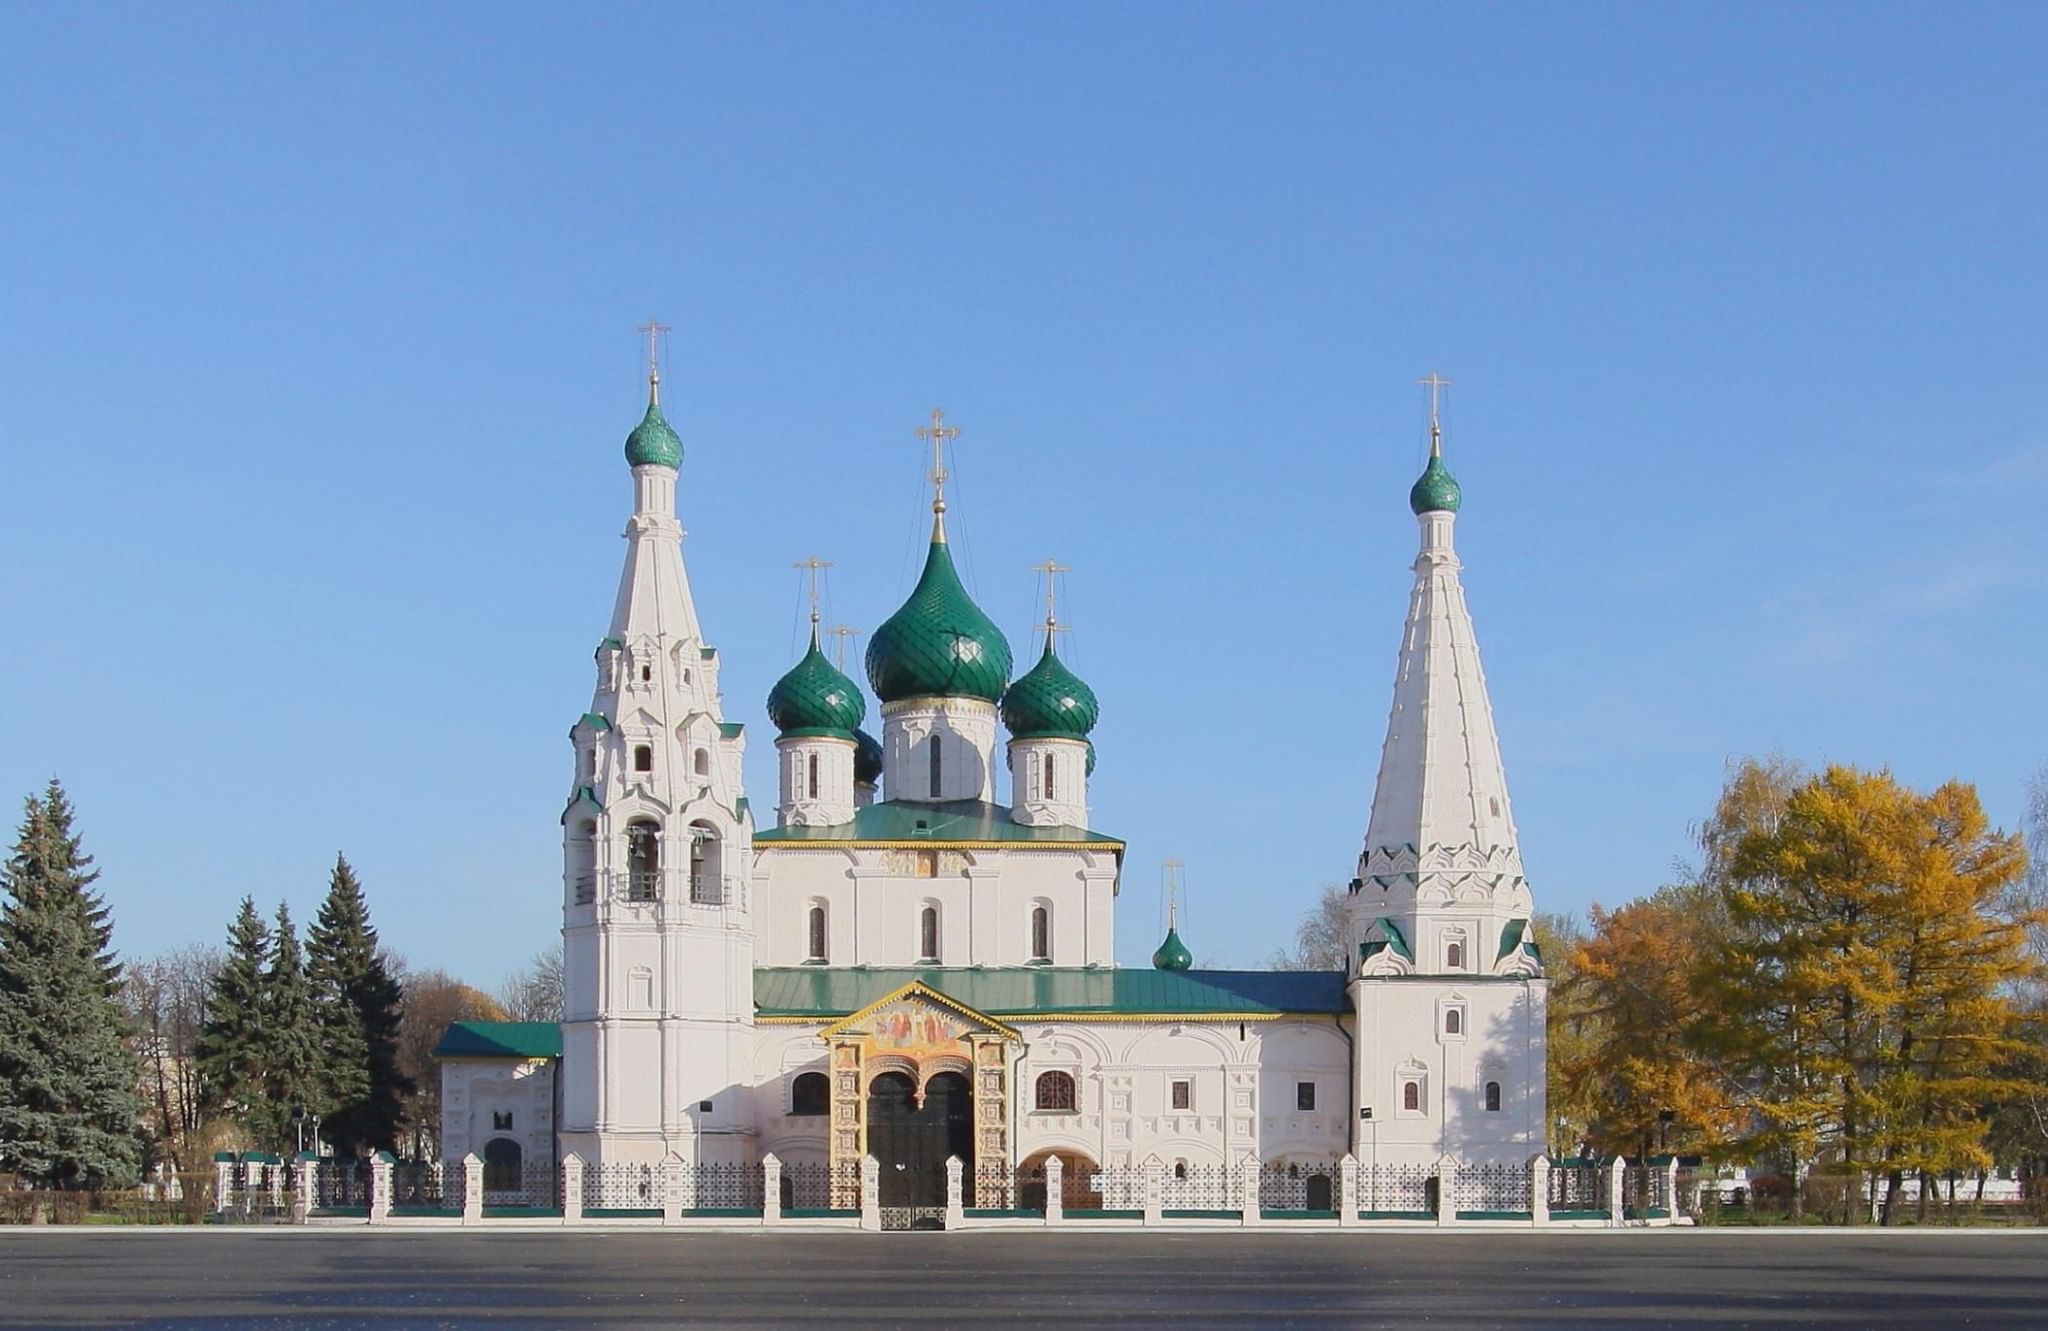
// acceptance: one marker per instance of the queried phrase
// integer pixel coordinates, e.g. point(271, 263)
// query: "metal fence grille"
point(1577, 1185)
point(1396, 1188)
point(621, 1187)
point(341, 1183)
point(1201, 1188)
point(814, 1185)
point(527, 1184)
point(1299, 1186)
point(721, 1187)
point(1121, 1188)
point(1492, 1187)
point(425, 1184)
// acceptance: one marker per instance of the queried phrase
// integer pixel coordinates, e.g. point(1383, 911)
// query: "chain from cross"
point(938, 434)
point(815, 566)
point(842, 635)
point(654, 328)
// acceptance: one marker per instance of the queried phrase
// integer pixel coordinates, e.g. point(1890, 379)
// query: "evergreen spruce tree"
point(291, 1072)
point(230, 1048)
point(357, 1003)
point(68, 1080)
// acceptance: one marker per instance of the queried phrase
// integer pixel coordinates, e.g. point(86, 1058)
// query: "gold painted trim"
point(919, 989)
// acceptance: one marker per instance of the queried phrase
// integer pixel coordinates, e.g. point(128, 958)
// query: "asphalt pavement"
point(345, 1278)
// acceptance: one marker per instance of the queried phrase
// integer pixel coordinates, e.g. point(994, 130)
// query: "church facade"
point(913, 959)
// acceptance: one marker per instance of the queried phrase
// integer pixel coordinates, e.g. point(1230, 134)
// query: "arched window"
point(583, 863)
point(1180, 1169)
point(1493, 1097)
point(811, 767)
point(817, 933)
point(1454, 1022)
point(1411, 1095)
point(643, 757)
point(1055, 1091)
point(1048, 776)
point(810, 1094)
point(502, 1165)
point(707, 866)
point(935, 761)
point(1454, 956)
point(928, 934)
point(643, 860)
point(1041, 934)
point(586, 763)
point(703, 763)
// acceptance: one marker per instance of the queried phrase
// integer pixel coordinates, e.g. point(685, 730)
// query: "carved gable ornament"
point(916, 1022)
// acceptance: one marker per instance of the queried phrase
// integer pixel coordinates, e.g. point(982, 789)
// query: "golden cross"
point(654, 329)
point(815, 566)
point(1435, 383)
point(938, 434)
point(1051, 571)
point(843, 635)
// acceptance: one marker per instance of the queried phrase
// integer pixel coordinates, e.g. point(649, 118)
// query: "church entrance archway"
point(911, 1136)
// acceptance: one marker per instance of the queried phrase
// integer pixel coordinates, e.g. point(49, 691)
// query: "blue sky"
point(317, 351)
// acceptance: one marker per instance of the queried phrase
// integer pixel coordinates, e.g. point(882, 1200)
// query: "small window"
point(928, 934)
point(643, 758)
point(817, 931)
point(646, 673)
point(1304, 1095)
point(1454, 1022)
point(812, 765)
point(810, 1095)
point(1411, 1095)
point(703, 1106)
point(1180, 1170)
point(1041, 934)
point(1048, 776)
point(1493, 1097)
point(501, 1122)
point(1055, 1091)
point(936, 762)
point(1183, 1095)
point(1454, 956)
point(703, 763)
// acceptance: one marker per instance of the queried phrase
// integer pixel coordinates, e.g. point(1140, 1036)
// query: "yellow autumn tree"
point(1862, 996)
point(1632, 981)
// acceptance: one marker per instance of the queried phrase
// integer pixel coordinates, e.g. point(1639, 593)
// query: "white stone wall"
point(801, 803)
point(964, 729)
point(1404, 1039)
point(1067, 804)
point(478, 1095)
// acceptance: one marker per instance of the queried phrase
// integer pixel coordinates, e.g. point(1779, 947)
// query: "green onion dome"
point(1436, 490)
point(1049, 702)
point(1173, 955)
point(939, 644)
point(652, 442)
point(815, 699)
point(867, 759)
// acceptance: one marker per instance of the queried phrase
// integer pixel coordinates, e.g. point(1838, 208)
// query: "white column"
point(956, 1215)
point(572, 1188)
point(671, 1188)
point(870, 1193)
point(1539, 1189)
point(1347, 1191)
point(1248, 1189)
point(1055, 1202)
point(1617, 1183)
point(472, 1187)
point(1446, 1190)
point(771, 1189)
point(1154, 1176)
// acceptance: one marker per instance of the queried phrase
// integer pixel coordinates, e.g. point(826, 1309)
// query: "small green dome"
point(1091, 758)
point(1049, 702)
point(1436, 490)
point(939, 644)
point(1173, 955)
point(652, 442)
point(815, 699)
point(867, 759)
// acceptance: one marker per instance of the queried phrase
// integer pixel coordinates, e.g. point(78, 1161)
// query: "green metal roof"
point(1050, 701)
point(731, 729)
point(596, 721)
point(1390, 936)
point(827, 992)
point(653, 442)
point(939, 644)
point(954, 821)
point(500, 1039)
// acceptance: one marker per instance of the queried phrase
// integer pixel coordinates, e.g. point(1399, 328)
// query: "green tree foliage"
point(231, 1051)
point(358, 1007)
point(291, 1045)
point(68, 1080)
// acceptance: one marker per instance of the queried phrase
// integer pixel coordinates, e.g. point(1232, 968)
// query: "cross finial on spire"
point(654, 329)
point(1170, 884)
point(814, 566)
point(1051, 570)
point(938, 434)
point(842, 635)
point(1435, 383)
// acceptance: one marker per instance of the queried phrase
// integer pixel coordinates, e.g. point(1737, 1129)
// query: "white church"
point(915, 960)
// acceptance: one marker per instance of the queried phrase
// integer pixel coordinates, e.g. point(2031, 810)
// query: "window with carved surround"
point(1055, 1091)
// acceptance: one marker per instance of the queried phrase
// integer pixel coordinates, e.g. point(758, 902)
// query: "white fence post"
point(1154, 1175)
point(1347, 1190)
point(1055, 1198)
point(303, 1167)
point(1248, 1190)
point(671, 1188)
point(472, 1188)
point(1617, 1186)
point(572, 1188)
point(771, 1189)
point(223, 1179)
point(380, 1186)
point(870, 1193)
point(956, 1215)
point(1446, 1190)
point(1539, 1189)
point(1671, 1190)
